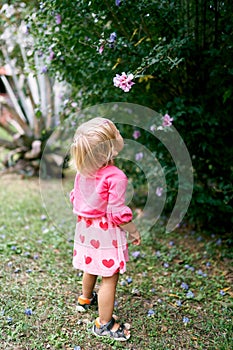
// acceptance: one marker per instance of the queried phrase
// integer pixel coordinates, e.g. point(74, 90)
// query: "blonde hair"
point(94, 145)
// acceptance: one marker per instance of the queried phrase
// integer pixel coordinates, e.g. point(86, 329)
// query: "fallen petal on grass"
point(186, 320)
point(150, 312)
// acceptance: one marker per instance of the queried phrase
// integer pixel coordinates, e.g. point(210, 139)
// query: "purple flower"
point(184, 286)
point(138, 156)
point(129, 280)
point(150, 312)
point(190, 294)
point(208, 264)
point(77, 347)
point(44, 70)
point(51, 55)
point(158, 254)
point(28, 312)
point(189, 267)
point(185, 320)
point(166, 265)
point(118, 2)
point(123, 81)
point(159, 191)
point(58, 19)
point(112, 37)
point(136, 134)
point(171, 243)
point(222, 292)
point(201, 273)
point(179, 303)
point(136, 254)
point(167, 120)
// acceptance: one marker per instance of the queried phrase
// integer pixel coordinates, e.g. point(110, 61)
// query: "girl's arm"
point(134, 235)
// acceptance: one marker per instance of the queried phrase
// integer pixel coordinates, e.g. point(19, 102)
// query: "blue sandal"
point(105, 330)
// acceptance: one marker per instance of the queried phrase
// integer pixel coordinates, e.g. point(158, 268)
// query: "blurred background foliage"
point(180, 53)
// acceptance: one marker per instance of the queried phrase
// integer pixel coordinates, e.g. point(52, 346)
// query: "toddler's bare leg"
point(88, 284)
point(106, 298)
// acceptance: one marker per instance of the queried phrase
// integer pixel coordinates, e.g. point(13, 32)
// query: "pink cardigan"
point(102, 195)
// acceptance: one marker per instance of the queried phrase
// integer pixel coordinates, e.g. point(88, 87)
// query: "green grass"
point(37, 277)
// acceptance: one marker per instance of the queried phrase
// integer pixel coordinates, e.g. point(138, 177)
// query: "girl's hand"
point(136, 241)
point(135, 238)
point(133, 234)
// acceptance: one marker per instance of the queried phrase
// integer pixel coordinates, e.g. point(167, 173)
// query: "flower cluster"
point(111, 41)
point(123, 81)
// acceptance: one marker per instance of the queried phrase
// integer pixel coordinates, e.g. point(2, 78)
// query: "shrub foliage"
point(180, 54)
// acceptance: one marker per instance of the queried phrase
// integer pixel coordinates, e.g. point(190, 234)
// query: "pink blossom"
point(101, 49)
point(51, 55)
point(167, 120)
point(123, 81)
point(136, 134)
point(58, 18)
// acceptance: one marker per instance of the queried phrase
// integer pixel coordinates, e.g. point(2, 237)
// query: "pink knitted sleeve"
point(117, 211)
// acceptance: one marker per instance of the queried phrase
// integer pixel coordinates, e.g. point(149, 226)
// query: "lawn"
point(176, 293)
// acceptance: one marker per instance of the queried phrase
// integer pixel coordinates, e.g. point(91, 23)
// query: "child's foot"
point(84, 303)
point(119, 332)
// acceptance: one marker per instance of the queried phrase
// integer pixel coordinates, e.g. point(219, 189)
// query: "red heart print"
point(122, 264)
point(104, 226)
point(95, 243)
point(88, 260)
point(79, 218)
point(108, 263)
point(114, 243)
point(82, 238)
point(75, 252)
point(88, 222)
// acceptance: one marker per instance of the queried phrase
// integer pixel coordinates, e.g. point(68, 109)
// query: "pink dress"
point(100, 245)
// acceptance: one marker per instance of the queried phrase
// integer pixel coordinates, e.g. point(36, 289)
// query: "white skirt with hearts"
point(100, 247)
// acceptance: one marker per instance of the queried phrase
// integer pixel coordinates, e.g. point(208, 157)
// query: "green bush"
point(180, 53)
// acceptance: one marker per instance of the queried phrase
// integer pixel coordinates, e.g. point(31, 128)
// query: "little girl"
point(98, 198)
